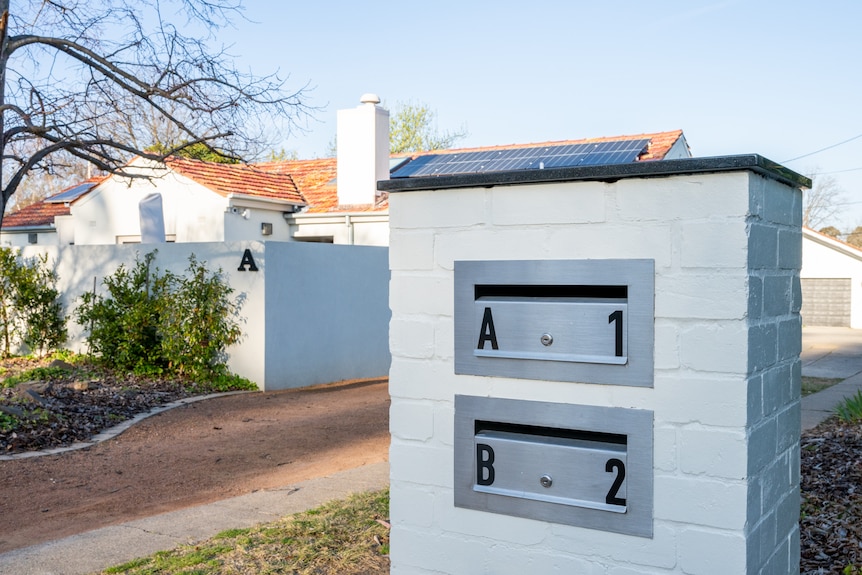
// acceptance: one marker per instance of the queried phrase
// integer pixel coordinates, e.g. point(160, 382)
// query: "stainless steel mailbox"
point(561, 320)
point(582, 465)
point(586, 473)
point(571, 329)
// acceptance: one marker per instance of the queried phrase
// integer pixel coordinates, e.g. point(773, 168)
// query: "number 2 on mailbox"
point(485, 473)
point(566, 469)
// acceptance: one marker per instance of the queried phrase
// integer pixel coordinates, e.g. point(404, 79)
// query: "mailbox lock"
point(547, 339)
point(546, 481)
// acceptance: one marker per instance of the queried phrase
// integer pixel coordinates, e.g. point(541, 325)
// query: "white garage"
point(831, 282)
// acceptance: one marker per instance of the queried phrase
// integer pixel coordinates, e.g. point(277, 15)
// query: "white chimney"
point(362, 138)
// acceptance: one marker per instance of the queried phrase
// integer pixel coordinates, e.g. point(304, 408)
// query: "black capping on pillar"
point(609, 173)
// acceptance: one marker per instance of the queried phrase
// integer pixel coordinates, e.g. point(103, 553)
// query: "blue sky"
point(777, 78)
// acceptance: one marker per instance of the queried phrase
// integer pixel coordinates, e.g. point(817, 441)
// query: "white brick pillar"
point(723, 236)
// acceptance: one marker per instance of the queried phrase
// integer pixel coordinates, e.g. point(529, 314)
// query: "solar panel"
point(71, 194)
point(534, 158)
point(395, 163)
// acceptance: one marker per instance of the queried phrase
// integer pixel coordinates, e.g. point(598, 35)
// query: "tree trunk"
point(4, 58)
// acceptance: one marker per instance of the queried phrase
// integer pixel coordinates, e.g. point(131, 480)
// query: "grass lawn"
point(345, 537)
point(814, 384)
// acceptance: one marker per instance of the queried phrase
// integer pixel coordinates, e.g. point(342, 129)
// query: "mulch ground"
point(56, 414)
point(831, 519)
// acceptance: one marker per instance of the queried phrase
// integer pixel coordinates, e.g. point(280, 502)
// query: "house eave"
point(335, 217)
point(832, 243)
point(28, 229)
point(249, 201)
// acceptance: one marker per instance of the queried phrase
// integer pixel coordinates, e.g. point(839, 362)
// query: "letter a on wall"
point(247, 260)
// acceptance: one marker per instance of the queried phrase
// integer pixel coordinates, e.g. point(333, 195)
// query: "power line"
point(822, 149)
point(836, 171)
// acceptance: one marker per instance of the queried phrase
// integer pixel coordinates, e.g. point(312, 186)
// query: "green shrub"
point(36, 374)
point(24, 416)
point(7, 422)
point(850, 409)
point(67, 355)
point(123, 325)
point(30, 308)
point(231, 382)
point(154, 323)
point(8, 280)
point(39, 301)
point(197, 321)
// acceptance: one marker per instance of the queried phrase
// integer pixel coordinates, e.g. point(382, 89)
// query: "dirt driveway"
point(196, 454)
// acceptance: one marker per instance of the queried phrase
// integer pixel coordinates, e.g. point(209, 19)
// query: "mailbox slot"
point(585, 324)
point(581, 465)
point(568, 467)
point(578, 320)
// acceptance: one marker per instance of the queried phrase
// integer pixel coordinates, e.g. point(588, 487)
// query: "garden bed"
point(52, 404)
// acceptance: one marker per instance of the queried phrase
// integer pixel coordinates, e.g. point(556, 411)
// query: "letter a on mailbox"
point(487, 333)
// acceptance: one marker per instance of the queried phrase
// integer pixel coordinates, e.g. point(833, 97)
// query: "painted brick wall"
point(727, 251)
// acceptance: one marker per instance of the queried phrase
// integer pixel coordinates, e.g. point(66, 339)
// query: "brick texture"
point(725, 395)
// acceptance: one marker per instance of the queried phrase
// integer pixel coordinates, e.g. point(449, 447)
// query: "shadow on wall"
point(311, 313)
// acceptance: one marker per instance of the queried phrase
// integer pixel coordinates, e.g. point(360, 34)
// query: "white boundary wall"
point(726, 397)
point(312, 313)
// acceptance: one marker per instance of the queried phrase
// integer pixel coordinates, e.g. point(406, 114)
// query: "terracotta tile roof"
point(44, 212)
point(222, 179)
point(39, 214)
point(225, 179)
point(316, 182)
point(660, 144)
point(306, 173)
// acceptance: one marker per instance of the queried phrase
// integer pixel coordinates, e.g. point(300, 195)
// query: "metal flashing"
point(605, 173)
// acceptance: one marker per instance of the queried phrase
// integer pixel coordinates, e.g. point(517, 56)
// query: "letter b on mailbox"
point(579, 465)
point(484, 464)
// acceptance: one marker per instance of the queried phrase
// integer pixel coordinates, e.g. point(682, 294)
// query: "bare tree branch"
point(101, 81)
point(821, 205)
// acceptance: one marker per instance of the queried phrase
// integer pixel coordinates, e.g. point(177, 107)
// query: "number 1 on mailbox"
point(572, 329)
